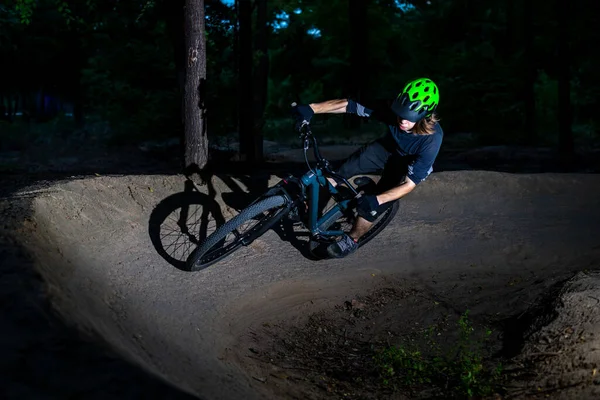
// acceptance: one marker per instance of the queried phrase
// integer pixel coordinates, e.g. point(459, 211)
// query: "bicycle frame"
point(312, 181)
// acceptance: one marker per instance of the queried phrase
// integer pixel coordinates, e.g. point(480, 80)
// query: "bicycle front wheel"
point(242, 229)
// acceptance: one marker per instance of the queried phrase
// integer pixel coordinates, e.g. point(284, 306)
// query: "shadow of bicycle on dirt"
point(183, 220)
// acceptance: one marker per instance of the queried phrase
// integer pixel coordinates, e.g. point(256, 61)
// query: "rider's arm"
point(417, 172)
point(396, 192)
point(341, 106)
point(330, 107)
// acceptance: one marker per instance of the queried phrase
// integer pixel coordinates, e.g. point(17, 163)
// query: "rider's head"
point(416, 104)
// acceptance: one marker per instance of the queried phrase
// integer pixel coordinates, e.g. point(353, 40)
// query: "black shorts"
point(378, 157)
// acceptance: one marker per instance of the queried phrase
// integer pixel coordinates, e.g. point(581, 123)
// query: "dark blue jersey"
point(421, 150)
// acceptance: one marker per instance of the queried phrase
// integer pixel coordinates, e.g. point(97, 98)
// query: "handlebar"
point(307, 137)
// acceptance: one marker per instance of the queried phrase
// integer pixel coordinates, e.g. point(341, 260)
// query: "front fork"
point(319, 226)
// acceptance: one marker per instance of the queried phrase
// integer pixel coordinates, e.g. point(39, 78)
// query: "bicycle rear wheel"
point(242, 229)
point(346, 222)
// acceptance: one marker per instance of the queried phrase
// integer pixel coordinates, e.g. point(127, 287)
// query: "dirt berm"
point(487, 241)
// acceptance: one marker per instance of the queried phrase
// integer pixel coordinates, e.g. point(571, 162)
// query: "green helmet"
point(418, 100)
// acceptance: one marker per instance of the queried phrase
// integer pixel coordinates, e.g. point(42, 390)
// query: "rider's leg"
point(348, 243)
point(361, 226)
point(394, 172)
point(369, 159)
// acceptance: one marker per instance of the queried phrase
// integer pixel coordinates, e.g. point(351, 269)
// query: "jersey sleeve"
point(355, 108)
point(420, 169)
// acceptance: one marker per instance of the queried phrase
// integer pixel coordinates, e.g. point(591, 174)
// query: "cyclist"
point(405, 154)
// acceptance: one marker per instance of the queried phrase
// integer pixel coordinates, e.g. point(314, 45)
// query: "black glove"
point(302, 112)
point(367, 206)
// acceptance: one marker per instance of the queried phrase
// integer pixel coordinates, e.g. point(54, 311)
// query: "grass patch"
point(396, 342)
point(458, 371)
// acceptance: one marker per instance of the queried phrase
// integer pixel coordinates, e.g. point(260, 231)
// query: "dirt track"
point(488, 241)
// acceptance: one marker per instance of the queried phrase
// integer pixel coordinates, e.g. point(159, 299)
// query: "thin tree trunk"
point(173, 13)
point(77, 88)
point(566, 140)
point(261, 77)
point(236, 60)
point(511, 29)
point(358, 55)
point(13, 105)
point(4, 115)
point(196, 142)
point(28, 105)
point(19, 104)
point(530, 72)
point(78, 104)
point(40, 114)
point(246, 109)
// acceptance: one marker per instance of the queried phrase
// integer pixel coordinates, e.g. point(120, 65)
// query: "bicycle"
point(297, 198)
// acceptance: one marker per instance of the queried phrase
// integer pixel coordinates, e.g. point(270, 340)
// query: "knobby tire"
point(202, 257)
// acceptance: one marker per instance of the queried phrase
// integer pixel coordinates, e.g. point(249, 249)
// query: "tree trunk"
point(565, 135)
point(78, 103)
point(4, 114)
point(13, 105)
point(245, 98)
point(173, 13)
point(358, 55)
point(196, 142)
point(530, 72)
point(40, 109)
point(261, 78)
point(76, 90)
point(511, 29)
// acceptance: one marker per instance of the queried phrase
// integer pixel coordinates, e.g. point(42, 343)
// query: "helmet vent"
point(426, 89)
point(434, 90)
point(418, 84)
point(415, 94)
point(425, 99)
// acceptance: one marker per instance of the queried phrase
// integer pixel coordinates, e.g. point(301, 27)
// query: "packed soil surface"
point(96, 301)
point(549, 351)
point(339, 352)
point(560, 357)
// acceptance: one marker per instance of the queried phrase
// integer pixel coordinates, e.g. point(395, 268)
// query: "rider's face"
point(405, 125)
